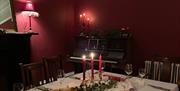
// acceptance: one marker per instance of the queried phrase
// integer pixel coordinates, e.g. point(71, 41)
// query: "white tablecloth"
point(137, 83)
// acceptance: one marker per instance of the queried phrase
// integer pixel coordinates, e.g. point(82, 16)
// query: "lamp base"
point(30, 31)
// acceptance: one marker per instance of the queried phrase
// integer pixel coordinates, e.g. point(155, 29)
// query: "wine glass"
point(142, 72)
point(103, 66)
point(18, 87)
point(128, 69)
point(59, 73)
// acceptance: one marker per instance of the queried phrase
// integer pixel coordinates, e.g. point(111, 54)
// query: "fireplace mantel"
point(15, 48)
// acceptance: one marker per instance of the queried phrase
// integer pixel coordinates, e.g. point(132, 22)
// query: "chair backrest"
point(51, 66)
point(148, 68)
point(60, 65)
point(156, 70)
point(175, 70)
point(33, 74)
point(162, 69)
point(152, 67)
point(165, 70)
point(159, 68)
point(175, 74)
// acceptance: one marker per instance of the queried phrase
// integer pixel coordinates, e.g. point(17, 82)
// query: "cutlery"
point(43, 88)
point(158, 87)
point(78, 78)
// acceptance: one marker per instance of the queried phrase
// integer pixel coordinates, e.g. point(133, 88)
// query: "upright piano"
point(115, 50)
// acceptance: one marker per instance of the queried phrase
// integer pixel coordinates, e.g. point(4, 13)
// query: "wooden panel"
point(14, 49)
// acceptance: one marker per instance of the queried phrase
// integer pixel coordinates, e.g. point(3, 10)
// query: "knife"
point(158, 87)
point(43, 88)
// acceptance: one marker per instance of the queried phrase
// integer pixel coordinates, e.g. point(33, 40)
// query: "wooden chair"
point(33, 74)
point(60, 65)
point(175, 71)
point(158, 68)
point(148, 68)
point(175, 74)
point(152, 67)
point(53, 68)
point(165, 71)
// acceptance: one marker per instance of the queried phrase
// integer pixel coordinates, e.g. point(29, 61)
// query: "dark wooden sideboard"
point(115, 50)
point(14, 49)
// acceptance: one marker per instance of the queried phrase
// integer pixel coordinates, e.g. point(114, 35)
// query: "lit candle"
point(88, 22)
point(83, 18)
point(100, 66)
point(84, 66)
point(88, 19)
point(80, 17)
point(92, 66)
point(84, 14)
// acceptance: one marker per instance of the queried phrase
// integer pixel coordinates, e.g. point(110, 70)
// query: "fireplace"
point(14, 49)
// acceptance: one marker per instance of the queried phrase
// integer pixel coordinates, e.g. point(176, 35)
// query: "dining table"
point(129, 83)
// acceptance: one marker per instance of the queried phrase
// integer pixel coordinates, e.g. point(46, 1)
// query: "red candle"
point(84, 66)
point(92, 66)
point(88, 22)
point(100, 64)
point(81, 17)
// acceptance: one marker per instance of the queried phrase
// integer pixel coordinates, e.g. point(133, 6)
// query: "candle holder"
point(84, 83)
point(92, 79)
point(100, 76)
point(84, 24)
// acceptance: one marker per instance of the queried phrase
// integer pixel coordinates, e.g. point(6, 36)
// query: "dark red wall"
point(55, 26)
point(155, 24)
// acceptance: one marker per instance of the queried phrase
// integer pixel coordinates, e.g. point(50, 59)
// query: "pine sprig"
point(100, 86)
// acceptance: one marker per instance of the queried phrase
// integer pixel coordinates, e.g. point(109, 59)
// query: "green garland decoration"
point(100, 86)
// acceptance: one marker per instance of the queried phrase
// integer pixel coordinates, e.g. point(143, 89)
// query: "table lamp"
point(29, 11)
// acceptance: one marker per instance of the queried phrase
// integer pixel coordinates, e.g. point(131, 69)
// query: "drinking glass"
point(128, 69)
point(142, 72)
point(60, 73)
point(103, 66)
point(18, 87)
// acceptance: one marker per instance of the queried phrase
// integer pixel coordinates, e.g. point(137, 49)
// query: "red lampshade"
point(29, 6)
point(29, 10)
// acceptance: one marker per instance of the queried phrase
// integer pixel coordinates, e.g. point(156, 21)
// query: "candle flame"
point(92, 55)
point(84, 14)
point(84, 57)
point(88, 19)
point(80, 15)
